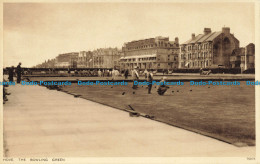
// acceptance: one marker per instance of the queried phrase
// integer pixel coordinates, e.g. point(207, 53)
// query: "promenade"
point(47, 123)
point(171, 77)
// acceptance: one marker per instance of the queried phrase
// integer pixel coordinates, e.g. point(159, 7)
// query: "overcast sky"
point(40, 31)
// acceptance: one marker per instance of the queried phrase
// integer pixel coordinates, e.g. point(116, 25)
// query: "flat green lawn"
point(223, 112)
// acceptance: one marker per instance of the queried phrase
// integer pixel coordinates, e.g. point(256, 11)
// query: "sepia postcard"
point(130, 81)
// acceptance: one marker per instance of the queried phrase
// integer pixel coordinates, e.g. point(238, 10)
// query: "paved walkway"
point(48, 123)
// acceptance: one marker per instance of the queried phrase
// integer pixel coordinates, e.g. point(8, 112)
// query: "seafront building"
point(67, 60)
point(244, 57)
point(208, 50)
point(106, 57)
point(85, 59)
point(152, 53)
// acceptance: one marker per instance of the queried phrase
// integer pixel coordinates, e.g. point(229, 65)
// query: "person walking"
point(19, 72)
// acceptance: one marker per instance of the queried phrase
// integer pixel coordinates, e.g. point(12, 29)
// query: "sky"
point(35, 32)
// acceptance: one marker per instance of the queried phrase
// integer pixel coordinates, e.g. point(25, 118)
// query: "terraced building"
point(208, 50)
point(151, 53)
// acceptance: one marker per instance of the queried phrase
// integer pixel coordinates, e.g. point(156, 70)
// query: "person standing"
point(126, 73)
point(107, 73)
point(19, 72)
point(69, 71)
point(11, 74)
point(113, 74)
point(146, 73)
point(150, 81)
point(99, 73)
point(200, 71)
point(135, 77)
point(103, 73)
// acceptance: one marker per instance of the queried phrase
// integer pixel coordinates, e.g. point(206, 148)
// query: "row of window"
point(196, 55)
point(197, 47)
point(197, 64)
point(144, 52)
point(84, 59)
point(160, 44)
point(139, 59)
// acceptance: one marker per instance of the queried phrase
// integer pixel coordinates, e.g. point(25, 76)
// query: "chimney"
point(176, 40)
point(207, 31)
point(192, 36)
point(226, 30)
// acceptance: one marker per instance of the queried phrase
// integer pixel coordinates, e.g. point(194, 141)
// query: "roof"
point(203, 38)
point(198, 37)
point(214, 35)
point(187, 42)
point(250, 44)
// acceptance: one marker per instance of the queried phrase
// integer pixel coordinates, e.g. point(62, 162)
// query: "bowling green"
point(226, 113)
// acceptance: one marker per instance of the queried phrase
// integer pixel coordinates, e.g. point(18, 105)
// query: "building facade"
point(208, 50)
point(85, 59)
point(67, 60)
point(50, 63)
point(152, 53)
point(243, 58)
point(105, 57)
